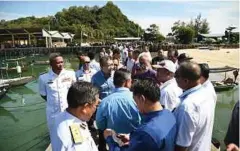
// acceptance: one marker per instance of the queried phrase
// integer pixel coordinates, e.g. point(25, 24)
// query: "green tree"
point(152, 34)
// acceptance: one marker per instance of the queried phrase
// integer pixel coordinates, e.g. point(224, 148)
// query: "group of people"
point(138, 103)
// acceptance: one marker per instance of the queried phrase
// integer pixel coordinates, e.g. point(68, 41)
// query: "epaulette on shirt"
point(42, 73)
point(76, 132)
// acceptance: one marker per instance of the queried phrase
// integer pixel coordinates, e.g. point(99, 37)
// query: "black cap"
point(183, 57)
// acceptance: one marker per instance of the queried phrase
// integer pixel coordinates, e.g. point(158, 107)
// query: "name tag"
point(66, 80)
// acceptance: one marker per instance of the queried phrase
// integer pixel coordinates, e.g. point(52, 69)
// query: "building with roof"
point(34, 37)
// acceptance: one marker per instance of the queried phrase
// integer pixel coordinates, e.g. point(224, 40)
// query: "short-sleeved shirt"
point(62, 138)
point(55, 88)
point(195, 119)
point(157, 133)
point(83, 76)
point(105, 85)
point(169, 94)
point(118, 111)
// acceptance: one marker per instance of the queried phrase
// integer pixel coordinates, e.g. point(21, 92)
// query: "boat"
point(11, 69)
point(15, 59)
point(18, 81)
point(3, 89)
point(227, 83)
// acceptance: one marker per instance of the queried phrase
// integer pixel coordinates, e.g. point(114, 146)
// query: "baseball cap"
point(183, 57)
point(166, 64)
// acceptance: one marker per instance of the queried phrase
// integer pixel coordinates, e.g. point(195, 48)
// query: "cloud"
point(219, 15)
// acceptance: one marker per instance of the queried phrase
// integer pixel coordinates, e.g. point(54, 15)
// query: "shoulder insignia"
point(76, 133)
point(42, 73)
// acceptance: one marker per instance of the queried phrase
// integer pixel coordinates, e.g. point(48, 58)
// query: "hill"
point(98, 23)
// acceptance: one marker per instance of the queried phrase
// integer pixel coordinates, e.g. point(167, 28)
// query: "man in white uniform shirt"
point(86, 73)
point(194, 114)
point(53, 87)
point(71, 132)
point(169, 90)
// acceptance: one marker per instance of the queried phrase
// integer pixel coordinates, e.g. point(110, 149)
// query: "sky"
point(219, 14)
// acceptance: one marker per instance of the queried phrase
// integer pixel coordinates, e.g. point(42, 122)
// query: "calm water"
point(23, 122)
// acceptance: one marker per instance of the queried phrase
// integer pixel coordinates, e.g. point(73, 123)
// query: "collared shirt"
point(169, 94)
point(105, 85)
point(118, 111)
point(194, 119)
point(94, 65)
point(55, 87)
point(157, 133)
point(62, 138)
point(83, 76)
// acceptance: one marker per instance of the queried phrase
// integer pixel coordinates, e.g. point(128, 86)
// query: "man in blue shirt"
point(103, 79)
point(158, 129)
point(118, 111)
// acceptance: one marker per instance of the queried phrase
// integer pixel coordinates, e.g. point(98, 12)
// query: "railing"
point(10, 52)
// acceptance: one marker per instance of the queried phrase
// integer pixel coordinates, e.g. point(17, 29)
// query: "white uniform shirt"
point(194, 120)
point(62, 139)
point(176, 64)
point(83, 76)
point(55, 88)
point(169, 94)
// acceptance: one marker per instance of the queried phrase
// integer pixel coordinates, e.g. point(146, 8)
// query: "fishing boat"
point(226, 83)
point(3, 89)
point(18, 81)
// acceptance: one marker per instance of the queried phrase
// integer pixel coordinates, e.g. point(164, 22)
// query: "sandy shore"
point(215, 58)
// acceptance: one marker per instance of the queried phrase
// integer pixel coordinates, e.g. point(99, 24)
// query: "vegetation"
point(152, 34)
point(186, 32)
point(96, 23)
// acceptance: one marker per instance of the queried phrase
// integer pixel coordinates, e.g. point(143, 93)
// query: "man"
point(116, 64)
point(232, 137)
point(136, 61)
point(86, 73)
point(194, 114)
point(118, 111)
point(93, 63)
point(116, 54)
point(158, 129)
point(80, 56)
point(183, 57)
point(159, 58)
point(168, 85)
point(147, 53)
point(129, 62)
point(173, 56)
point(144, 69)
point(70, 130)
point(103, 79)
point(206, 83)
point(53, 87)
